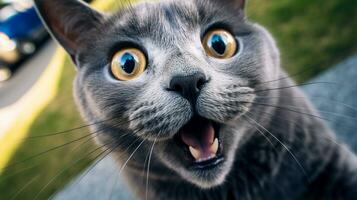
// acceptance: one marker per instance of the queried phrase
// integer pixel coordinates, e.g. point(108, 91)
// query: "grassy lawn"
point(312, 35)
point(59, 115)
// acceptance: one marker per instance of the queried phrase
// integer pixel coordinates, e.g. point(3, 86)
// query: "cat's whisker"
point(97, 161)
point(67, 131)
point(110, 194)
point(290, 87)
point(66, 144)
point(3, 178)
point(282, 78)
point(122, 122)
point(148, 170)
point(289, 76)
point(284, 108)
point(310, 97)
point(74, 163)
point(143, 172)
point(105, 153)
point(44, 152)
point(131, 155)
point(24, 187)
point(116, 177)
point(330, 138)
point(122, 168)
point(271, 143)
point(38, 164)
point(261, 132)
point(283, 145)
point(72, 150)
point(61, 146)
point(292, 109)
point(324, 111)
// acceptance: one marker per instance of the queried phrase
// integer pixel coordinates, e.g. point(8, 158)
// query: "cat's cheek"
point(225, 104)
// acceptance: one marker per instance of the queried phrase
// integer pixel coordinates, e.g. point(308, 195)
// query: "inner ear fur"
point(69, 21)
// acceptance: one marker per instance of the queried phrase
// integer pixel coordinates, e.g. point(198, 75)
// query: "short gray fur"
point(275, 146)
point(96, 183)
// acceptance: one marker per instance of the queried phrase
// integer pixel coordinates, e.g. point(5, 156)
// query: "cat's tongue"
point(199, 136)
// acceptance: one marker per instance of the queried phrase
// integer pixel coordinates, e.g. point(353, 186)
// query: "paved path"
point(333, 99)
point(338, 101)
point(26, 76)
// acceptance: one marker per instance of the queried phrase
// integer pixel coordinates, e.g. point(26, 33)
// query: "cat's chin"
point(209, 177)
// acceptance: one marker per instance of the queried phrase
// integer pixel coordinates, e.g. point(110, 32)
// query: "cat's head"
point(179, 73)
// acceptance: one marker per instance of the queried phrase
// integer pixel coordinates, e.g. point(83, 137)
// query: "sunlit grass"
point(59, 115)
point(312, 35)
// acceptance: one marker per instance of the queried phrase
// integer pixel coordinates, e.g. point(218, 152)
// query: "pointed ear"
point(241, 3)
point(237, 4)
point(69, 21)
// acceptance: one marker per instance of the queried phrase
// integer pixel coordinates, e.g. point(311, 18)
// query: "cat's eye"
point(220, 43)
point(128, 64)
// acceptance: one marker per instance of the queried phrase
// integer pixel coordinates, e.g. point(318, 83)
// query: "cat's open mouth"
point(200, 140)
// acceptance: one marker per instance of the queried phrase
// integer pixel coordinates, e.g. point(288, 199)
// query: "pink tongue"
point(200, 138)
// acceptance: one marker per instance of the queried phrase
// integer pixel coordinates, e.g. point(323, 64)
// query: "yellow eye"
point(219, 43)
point(128, 64)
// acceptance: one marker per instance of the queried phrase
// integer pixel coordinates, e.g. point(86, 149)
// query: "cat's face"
point(187, 73)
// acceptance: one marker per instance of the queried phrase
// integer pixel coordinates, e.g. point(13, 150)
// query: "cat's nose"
point(188, 86)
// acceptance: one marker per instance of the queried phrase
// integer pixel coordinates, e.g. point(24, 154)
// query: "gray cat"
point(194, 105)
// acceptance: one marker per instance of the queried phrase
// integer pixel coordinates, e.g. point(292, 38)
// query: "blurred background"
point(36, 83)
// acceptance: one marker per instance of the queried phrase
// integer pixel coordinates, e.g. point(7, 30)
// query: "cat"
point(184, 91)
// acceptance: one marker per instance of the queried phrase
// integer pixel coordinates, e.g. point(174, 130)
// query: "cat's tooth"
point(195, 153)
point(214, 147)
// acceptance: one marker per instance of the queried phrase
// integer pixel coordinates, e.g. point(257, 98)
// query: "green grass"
point(59, 115)
point(312, 36)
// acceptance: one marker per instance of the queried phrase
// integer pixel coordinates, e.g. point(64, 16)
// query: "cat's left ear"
point(237, 4)
point(240, 4)
point(69, 21)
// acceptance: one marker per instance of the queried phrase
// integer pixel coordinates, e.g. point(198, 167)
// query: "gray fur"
point(270, 152)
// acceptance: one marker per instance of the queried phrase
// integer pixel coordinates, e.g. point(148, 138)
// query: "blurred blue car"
point(21, 34)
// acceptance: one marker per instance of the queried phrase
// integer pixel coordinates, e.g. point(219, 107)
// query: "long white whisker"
point(148, 170)
point(132, 154)
point(277, 139)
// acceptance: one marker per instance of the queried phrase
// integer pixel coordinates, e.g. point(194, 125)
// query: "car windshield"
point(5, 2)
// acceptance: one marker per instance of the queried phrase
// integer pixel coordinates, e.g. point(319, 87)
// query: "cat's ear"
point(237, 4)
point(69, 21)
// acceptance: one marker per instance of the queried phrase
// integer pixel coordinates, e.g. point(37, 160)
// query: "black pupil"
point(218, 44)
point(128, 63)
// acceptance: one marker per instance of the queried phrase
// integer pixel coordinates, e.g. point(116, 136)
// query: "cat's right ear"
point(69, 21)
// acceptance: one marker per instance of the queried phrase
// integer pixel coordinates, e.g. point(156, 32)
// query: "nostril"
point(200, 83)
point(177, 88)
